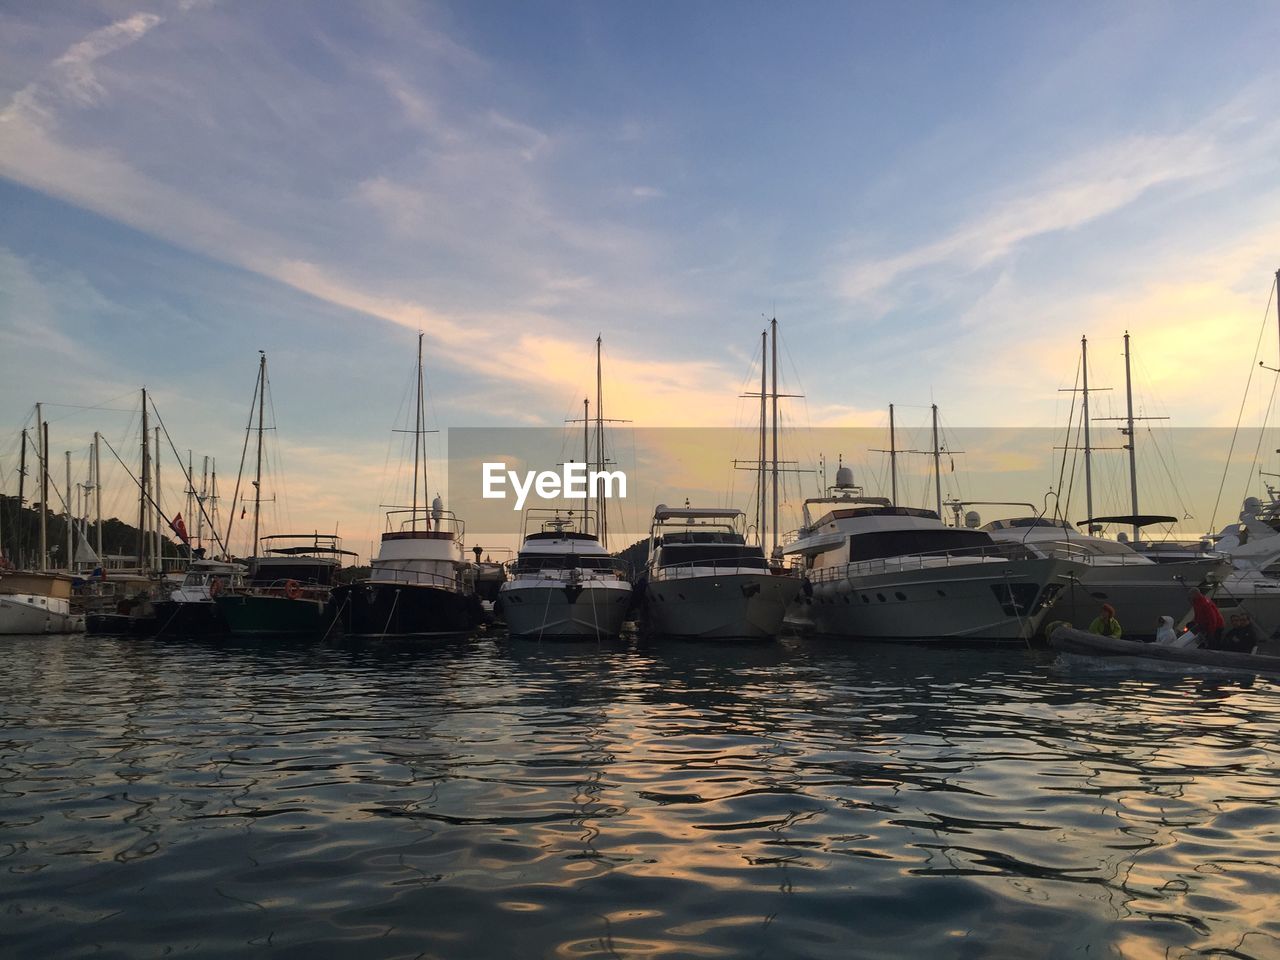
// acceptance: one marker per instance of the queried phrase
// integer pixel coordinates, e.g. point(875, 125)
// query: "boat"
point(878, 571)
point(703, 581)
point(120, 603)
point(1110, 571)
point(287, 589)
point(192, 609)
point(420, 583)
point(1070, 640)
point(32, 602)
point(563, 584)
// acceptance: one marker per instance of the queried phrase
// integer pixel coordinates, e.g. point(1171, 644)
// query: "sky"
point(936, 201)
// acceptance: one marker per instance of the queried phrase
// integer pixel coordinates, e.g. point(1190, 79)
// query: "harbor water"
point(486, 797)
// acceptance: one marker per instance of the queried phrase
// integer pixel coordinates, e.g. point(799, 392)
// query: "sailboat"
point(37, 601)
point(419, 584)
point(564, 584)
point(290, 575)
point(1109, 571)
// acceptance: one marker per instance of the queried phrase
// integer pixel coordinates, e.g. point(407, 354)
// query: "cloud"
point(71, 78)
point(1077, 192)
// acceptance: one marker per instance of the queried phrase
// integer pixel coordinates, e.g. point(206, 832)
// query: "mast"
point(937, 461)
point(773, 326)
point(22, 495)
point(893, 461)
point(417, 438)
point(191, 493)
point(43, 429)
point(604, 509)
point(66, 512)
point(156, 513)
point(146, 480)
point(97, 493)
point(1133, 456)
point(764, 386)
point(204, 496)
point(262, 405)
point(1088, 449)
point(586, 444)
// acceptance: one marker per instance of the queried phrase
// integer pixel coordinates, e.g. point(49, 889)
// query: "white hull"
point(555, 609)
point(955, 601)
point(1140, 593)
point(1257, 595)
point(713, 607)
point(33, 613)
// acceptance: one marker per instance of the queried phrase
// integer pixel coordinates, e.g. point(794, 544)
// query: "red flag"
point(180, 528)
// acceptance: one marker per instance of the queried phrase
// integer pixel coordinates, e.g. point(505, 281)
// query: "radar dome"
point(972, 520)
point(1252, 506)
point(844, 477)
point(437, 508)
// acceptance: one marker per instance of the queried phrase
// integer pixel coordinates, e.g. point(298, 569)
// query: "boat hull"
point(373, 609)
point(748, 606)
point(556, 610)
point(189, 618)
point(28, 613)
point(1140, 593)
point(1000, 602)
point(254, 615)
point(1070, 640)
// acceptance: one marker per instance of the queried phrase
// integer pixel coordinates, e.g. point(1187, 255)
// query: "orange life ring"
point(292, 589)
point(215, 586)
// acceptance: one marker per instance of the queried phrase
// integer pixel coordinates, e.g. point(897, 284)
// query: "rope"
point(1213, 524)
point(391, 613)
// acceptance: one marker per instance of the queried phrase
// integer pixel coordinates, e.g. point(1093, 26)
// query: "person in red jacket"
point(1206, 618)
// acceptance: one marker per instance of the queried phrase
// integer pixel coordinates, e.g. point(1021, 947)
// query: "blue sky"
point(936, 200)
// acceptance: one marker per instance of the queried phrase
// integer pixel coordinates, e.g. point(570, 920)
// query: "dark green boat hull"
point(249, 615)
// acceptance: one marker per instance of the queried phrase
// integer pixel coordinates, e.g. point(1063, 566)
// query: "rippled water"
point(490, 798)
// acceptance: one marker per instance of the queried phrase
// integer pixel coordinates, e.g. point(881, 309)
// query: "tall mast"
point(146, 480)
point(1088, 449)
point(66, 512)
point(43, 429)
point(1133, 455)
point(417, 439)
point(893, 460)
point(22, 501)
point(97, 493)
point(937, 462)
point(764, 427)
point(604, 509)
point(191, 494)
point(262, 406)
point(156, 512)
point(586, 445)
point(773, 326)
point(204, 496)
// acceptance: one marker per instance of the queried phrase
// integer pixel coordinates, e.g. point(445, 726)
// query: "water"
point(490, 798)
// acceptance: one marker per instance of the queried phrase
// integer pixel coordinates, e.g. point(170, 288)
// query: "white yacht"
point(563, 584)
point(1140, 589)
point(192, 608)
point(704, 581)
point(37, 603)
point(877, 571)
point(1253, 545)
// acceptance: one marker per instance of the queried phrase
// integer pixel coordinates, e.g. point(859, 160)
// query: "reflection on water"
point(487, 798)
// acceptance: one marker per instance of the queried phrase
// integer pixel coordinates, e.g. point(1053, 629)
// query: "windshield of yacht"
point(534, 562)
point(707, 554)
point(879, 544)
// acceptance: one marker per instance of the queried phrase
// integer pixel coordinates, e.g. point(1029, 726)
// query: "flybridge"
point(573, 482)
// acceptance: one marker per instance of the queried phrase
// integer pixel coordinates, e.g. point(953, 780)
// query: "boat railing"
point(408, 520)
point(555, 568)
point(966, 556)
point(708, 568)
point(416, 578)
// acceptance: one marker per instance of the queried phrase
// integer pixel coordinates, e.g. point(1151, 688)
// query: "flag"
point(180, 528)
point(242, 512)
